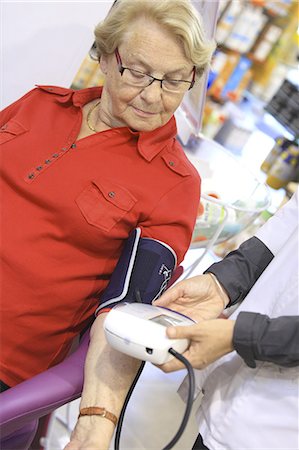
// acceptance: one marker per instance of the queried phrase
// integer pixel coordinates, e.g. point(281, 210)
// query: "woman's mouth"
point(142, 113)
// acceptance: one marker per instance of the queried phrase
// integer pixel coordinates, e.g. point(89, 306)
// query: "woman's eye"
point(138, 75)
point(172, 83)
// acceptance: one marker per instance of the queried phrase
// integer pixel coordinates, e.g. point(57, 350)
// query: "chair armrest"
point(45, 392)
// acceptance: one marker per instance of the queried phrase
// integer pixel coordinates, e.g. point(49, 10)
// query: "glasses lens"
point(136, 78)
point(175, 85)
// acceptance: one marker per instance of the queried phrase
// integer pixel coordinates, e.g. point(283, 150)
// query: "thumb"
point(179, 332)
point(170, 295)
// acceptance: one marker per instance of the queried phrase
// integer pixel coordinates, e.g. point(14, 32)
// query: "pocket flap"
point(115, 194)
point(175, 164)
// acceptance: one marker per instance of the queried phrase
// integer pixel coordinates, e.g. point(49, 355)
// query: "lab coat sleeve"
point(240, 269)
point(259, 338)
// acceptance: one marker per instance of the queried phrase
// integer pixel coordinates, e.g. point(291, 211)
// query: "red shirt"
point(67, 208)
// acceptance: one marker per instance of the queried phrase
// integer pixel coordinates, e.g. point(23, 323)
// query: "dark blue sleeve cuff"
point(258, 337)
point(240, 269)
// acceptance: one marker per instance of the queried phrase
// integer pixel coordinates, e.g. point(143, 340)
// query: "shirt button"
point(39, 168)
point(30, 176)
point(55, 155)
point(171, 163)
point(73, 146)
point(64, 149)
point(47, 161)
point(111, 194)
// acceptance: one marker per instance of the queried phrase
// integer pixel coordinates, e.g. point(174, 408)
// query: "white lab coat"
point(245, 408)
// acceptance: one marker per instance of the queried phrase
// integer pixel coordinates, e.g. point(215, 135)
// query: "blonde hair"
point(179, 17)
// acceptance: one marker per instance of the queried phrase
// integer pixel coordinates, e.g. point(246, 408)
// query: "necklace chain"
point(90, 126)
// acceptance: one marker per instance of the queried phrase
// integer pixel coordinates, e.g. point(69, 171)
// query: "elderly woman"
point(80, 171)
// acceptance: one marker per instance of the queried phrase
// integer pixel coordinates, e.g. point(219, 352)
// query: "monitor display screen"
point(166, 321)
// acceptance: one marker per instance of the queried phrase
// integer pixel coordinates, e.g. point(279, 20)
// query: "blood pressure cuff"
point(141, 274)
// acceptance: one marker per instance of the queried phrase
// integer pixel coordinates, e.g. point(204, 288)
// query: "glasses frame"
point(122, 68)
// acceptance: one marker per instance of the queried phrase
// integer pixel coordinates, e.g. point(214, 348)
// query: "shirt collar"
point(78, 98)
point(149, 143)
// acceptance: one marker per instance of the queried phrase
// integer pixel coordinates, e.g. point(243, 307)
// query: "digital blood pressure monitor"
point(139, 330)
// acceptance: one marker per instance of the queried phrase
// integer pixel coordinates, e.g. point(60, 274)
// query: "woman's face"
point(150, 49)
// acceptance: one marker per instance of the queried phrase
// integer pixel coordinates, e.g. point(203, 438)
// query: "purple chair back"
point(24, 404)
point(20, 439)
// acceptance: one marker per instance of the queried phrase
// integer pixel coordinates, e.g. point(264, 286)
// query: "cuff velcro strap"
point(98, 411)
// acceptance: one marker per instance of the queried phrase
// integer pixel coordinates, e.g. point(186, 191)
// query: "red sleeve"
point(173, 219)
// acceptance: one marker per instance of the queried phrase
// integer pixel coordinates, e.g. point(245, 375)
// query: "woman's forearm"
point(108, 376)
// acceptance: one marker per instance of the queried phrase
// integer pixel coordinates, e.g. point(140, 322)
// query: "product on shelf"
point(231, 74)
point(265, 42)
point(281, 144)
point(284, 168)
point(230, 63)
point(240, 72)
point(278, 7)
point(247, 26)
point(226, 22)
point(217, 65)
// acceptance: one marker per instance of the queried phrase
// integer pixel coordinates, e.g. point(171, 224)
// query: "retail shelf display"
point(257, 45)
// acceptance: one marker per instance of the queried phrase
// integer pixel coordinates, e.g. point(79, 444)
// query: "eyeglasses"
point(143, 80)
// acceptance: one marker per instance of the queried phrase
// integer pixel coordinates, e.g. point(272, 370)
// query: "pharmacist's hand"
point(199, 298)
point(209, 340)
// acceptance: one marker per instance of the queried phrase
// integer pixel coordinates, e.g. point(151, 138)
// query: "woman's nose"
point(153, 92)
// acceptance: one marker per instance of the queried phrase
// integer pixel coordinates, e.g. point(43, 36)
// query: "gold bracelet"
point(98, 411)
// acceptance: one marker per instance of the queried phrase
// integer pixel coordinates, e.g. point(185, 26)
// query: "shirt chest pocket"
point(11, 130)
point(104, 203)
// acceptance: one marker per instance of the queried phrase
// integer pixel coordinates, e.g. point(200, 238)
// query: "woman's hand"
point(209, 340)
point(92, 433)
point(199, 298)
